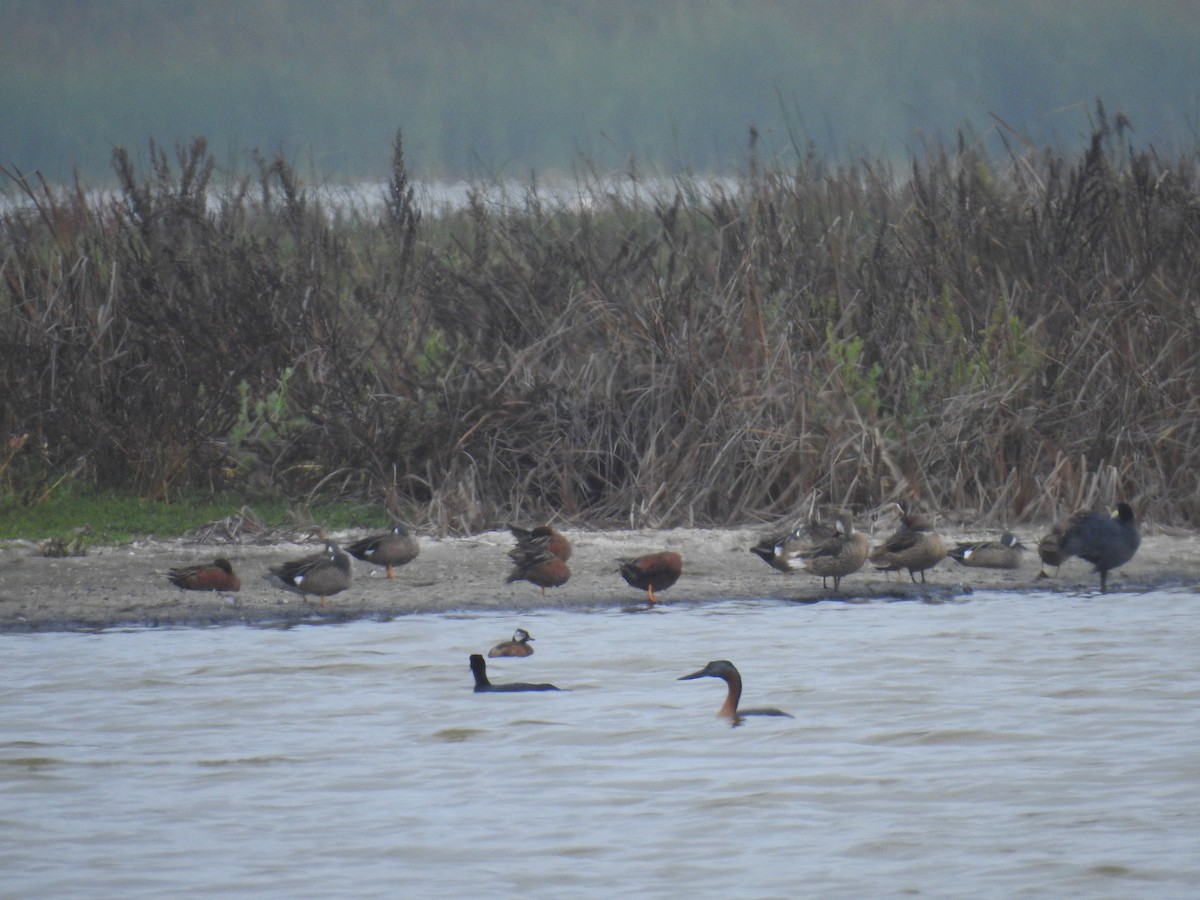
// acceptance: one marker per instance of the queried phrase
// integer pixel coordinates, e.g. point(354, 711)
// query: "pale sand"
point(126, 586)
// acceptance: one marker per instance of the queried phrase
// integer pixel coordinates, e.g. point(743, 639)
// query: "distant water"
point(1024, 745)
point(444, 197)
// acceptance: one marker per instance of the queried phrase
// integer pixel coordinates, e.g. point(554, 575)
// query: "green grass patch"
point(117, 518)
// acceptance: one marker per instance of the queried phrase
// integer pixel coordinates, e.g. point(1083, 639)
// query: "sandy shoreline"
point(126, 586)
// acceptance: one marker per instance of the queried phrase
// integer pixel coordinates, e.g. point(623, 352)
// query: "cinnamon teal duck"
point(654, 571)
point(541, 536)
point(396, 548)
point(217, 575)
point(1002, 554)
point(538, 566)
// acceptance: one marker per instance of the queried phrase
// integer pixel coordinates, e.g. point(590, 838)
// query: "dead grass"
point(1001, 339)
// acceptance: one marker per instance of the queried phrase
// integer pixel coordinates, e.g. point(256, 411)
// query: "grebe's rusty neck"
point(727, 671)
point(723, 669)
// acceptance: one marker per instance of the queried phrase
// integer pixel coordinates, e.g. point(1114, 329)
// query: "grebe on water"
point(217, 575)
point(518, 646)
point(654, 570)
point(723, 668)
point(396, 548)
point(483, 686)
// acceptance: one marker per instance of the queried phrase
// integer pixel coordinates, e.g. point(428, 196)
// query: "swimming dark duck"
point(1106, 541)
point(518, 646)
point(1002, 554)
point(484, 686)
point(396, 548)
point(914, 546)
point(217, 575)
point(727, 671)
point(321, 574)
point(654, 571)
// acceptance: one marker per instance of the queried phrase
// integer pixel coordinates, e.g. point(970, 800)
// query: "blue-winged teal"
point(321, 574)
point(396, 548)
point(777, 550)
point(829, 555)
point(1002, 554)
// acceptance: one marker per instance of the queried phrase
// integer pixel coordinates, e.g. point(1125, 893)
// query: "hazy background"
point(506, 87)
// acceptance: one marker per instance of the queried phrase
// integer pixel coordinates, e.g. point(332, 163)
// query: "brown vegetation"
point(1002, 339)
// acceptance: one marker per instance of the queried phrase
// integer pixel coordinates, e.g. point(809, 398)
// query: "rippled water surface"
point(1009, 745)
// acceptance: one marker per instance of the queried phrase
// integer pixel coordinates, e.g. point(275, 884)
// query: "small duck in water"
point(654, 571)
point(483, 686)
point(321, 574)
point(217, 575)
point(1002, 554)
point(518, 646)
point(1106, 541)
point(724, 669)
point(396, 548)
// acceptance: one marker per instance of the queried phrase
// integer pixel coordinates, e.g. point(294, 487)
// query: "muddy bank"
point(126, 586)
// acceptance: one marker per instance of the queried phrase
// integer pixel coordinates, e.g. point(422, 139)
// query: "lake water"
point(1010, 745)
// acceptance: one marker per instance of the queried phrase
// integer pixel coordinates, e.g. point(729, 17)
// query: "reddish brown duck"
point(654, 571)
point(217, 575)
point(538, 566)
point(542, 536)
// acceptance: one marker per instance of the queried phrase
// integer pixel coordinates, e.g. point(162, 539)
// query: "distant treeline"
point(1001, 338)
point(499, 89)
